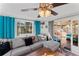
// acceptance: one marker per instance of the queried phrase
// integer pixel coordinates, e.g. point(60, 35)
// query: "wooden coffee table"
point(43, 52)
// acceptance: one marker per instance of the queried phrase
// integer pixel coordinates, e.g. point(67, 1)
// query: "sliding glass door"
point(75, 32)
point(62, 30)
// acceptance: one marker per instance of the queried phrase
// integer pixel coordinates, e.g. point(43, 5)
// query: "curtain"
point(37, 27)
point(7, 27)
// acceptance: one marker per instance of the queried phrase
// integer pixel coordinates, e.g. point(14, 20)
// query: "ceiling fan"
point(45, 9)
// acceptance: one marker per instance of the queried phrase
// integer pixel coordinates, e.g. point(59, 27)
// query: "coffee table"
point(43, 52)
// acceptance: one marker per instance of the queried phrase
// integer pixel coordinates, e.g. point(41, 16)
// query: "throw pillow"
point(28, 41)
point(4, 48)
point(36, 39)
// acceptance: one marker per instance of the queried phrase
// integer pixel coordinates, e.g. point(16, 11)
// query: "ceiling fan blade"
point(58, 4)
point(54, 13)
point(30, 9)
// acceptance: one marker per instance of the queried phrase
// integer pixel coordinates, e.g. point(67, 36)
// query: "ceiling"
point(14, 9)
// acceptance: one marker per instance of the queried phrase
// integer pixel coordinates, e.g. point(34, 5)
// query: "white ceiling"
point(14, 9)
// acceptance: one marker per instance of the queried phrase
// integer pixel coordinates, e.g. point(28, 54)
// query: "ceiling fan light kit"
point(44, 9)
point(45, 13)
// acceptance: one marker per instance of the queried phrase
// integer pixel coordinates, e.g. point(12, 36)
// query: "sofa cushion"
point(21, 51)
point(36, 45)
point(18, 43)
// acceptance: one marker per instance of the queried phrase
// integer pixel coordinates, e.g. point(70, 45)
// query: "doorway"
point(62, 30)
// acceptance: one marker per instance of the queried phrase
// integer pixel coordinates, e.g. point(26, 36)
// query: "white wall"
point(44, 27)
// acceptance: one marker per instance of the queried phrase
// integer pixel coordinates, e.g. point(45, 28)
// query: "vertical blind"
point(7, 27)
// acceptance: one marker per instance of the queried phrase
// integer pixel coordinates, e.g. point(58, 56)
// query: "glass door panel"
point(75, 32)
point(68, 35)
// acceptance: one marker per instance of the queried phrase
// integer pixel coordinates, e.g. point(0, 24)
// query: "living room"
point(26, 29)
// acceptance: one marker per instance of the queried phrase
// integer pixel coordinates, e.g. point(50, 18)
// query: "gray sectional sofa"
point(20, 49)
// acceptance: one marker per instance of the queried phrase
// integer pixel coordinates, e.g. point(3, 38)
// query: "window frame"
point(24, 21)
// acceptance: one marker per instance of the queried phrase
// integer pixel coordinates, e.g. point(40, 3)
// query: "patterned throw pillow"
point(36, 39)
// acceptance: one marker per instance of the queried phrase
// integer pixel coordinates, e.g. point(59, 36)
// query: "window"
point(23, 28)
